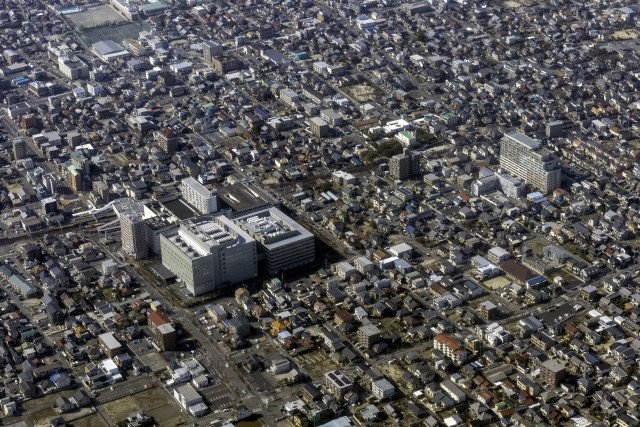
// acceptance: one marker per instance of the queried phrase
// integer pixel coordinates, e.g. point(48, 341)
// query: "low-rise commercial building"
point(190, 400)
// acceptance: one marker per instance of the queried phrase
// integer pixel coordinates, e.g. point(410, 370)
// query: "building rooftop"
point(188, 392)
point(196, 237)
point(109, 340)
point(524, 140)
point(166, 328)
point(552, 365)
point(272, 227)
point(197, 187)
point(106, 47)
point(339, 379)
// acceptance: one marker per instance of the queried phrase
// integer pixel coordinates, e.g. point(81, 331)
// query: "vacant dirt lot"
point(496, 283)
point(154, 402)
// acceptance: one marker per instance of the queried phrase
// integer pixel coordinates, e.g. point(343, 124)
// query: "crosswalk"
point(217, 397)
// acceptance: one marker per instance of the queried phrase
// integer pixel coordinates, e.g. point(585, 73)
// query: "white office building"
point(200, 197)
point(283, 243)
point(190, 400)
point(208, 253)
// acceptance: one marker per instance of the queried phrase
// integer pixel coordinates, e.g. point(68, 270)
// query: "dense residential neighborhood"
point(324, 213)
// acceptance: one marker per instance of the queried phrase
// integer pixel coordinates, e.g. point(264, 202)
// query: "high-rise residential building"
point(554, 129)
point(552, 373)
point(161, 327)
point(73, 175)
point(102, 190)
point(167, 140)
point(211, 49)
point(200, 197)
point(143, 218)
point(405, 165)
point(209, 252)
point(282, 242)
point(318, 127)
point(50, 183)
point(368, 335)
point(134, 235)
point(49, 205)
point(524, 158)
point(224, 64)
point(19, 148)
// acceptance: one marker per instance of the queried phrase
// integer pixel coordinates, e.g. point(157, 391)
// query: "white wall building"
point(190, 400)
point(282, 242)
point(134, 234)
point(208, 253)
point(197, 195)
point(382, 389)
point(524, 158)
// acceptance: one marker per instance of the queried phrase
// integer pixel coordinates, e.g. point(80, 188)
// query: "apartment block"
point(134, 235)
point(524, 158)
point(200, 197)
point(338, 383)
point(402, 166)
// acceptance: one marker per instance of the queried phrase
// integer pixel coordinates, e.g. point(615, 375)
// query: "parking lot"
point(217, 395)
point(147, 354)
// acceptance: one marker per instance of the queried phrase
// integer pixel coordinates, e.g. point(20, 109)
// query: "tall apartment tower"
point(19, 148)
point(200, 197)
point(211, 49)
point(552, 373)
point(554, 129)
point(402, 166)
point(524, 158)
point(134, 235)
